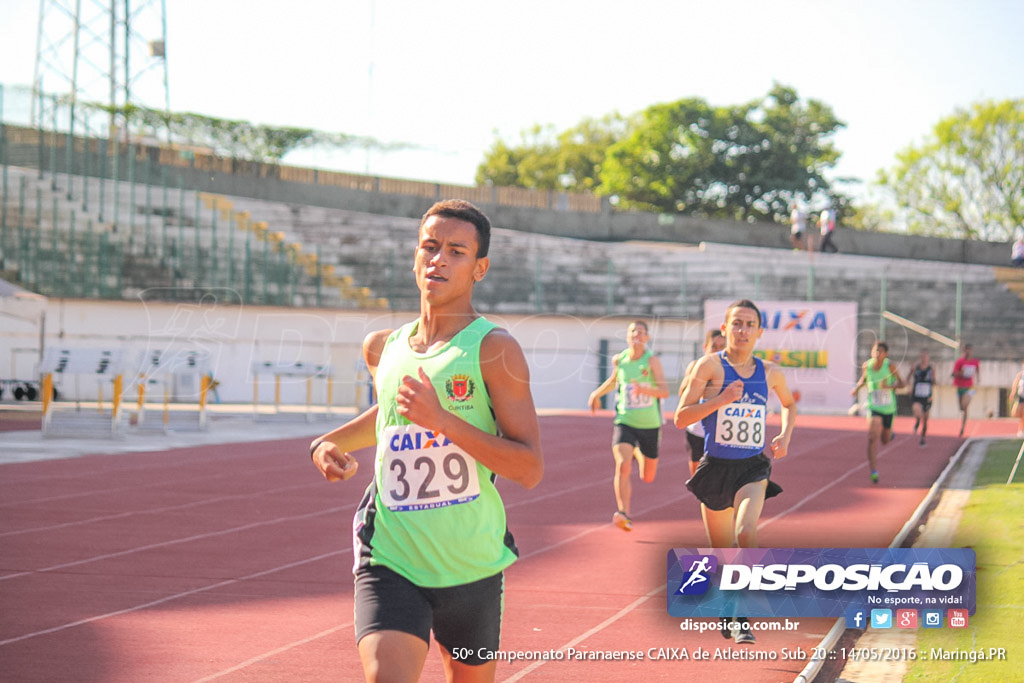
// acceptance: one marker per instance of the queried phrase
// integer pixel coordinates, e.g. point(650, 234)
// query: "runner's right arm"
point(691, 409)
point(332, 452)
point(594, 401)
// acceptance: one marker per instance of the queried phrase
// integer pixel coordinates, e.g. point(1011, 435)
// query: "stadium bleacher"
point(286, 243)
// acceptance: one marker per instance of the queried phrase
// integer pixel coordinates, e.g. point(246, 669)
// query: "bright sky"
point(448, 75)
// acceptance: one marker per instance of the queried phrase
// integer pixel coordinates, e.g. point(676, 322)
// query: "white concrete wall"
point(562, 351)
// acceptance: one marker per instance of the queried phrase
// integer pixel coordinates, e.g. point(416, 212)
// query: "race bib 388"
point(741, 424)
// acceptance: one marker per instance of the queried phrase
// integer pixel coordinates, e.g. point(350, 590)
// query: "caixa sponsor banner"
point(814, 342)
point(816, 582)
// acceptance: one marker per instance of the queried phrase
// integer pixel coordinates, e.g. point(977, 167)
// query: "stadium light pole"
point(101, 53)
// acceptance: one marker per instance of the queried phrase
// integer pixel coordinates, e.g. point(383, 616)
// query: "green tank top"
point(632, 409)
point(432, 512)
point(881, 400)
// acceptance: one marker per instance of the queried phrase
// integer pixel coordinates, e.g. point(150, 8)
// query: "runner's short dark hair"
point(745, 303)
point(464, 211)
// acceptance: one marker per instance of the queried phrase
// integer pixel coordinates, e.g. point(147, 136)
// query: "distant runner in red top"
point(966, 372)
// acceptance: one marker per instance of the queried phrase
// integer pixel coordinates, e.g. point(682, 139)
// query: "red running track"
point(231, 562)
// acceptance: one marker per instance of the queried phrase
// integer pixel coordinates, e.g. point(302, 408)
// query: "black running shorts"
point(717, 480)
point(886, 418)
point(465, 618)
point(644, 439)
point(696, 446)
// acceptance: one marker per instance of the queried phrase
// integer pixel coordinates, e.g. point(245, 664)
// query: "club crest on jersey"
point(459, 387)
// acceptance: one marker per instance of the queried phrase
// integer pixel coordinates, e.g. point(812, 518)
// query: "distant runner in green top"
point(882, 379)
point(641, 383)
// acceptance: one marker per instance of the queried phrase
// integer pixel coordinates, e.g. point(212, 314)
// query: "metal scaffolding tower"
point(106, 53)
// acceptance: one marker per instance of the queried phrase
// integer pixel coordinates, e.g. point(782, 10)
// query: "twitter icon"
point(881, 618)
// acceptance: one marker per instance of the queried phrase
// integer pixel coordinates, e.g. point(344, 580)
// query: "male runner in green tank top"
point(881, 378)
point(454, 411)
point(637, 429)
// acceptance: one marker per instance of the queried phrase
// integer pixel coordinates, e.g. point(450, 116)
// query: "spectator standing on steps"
point(798, 227)
point(827, 225)
point(1017, 251)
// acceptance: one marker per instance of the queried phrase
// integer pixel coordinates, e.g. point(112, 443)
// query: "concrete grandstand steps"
point(165, 242)
point(327, 236)
point(369, 259)
point(1012, 279)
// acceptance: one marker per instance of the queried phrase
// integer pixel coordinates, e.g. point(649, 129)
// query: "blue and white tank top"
point(737, 430)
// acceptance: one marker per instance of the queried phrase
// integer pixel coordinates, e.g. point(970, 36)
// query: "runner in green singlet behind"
point(637, 432)
point(881, 379)
point(454, 412)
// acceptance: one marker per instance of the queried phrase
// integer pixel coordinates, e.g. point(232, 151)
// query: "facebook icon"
point(856, 617)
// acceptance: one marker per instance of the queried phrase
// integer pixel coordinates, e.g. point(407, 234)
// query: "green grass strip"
point(992, 524)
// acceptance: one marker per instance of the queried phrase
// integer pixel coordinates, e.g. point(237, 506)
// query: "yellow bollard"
point(47, 392)
point(118, 384)
point(277, 393)
point(309, 394)
point(167, 405)
point(204, 386)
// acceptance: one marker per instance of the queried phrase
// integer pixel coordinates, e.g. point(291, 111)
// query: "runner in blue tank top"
point(922, 383)
point(736, 427)
point(728, 391)
point(714, 341)
point(740, 434)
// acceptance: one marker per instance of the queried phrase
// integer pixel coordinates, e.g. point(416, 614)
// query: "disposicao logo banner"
point(817, 582)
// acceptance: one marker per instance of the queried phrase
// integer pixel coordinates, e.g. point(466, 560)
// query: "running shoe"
point(874, 476)
point(622, 520)
point(921, 443)
point(744, 638)
point(743, 635)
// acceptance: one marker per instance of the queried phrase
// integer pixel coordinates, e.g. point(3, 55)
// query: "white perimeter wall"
point(562, 350)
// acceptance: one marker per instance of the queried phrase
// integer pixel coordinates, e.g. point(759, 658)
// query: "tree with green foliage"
point(966, 180)
point(744, 162)
point(548, 160)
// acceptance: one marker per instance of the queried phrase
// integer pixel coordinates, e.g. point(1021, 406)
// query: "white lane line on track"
point(137, 487)
point(522, 673)
point(596, 629)
point(152, 511)
point(220, 583)
point(187, 539)
point(176, 596)
point(660, 588)
point(284, 648)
